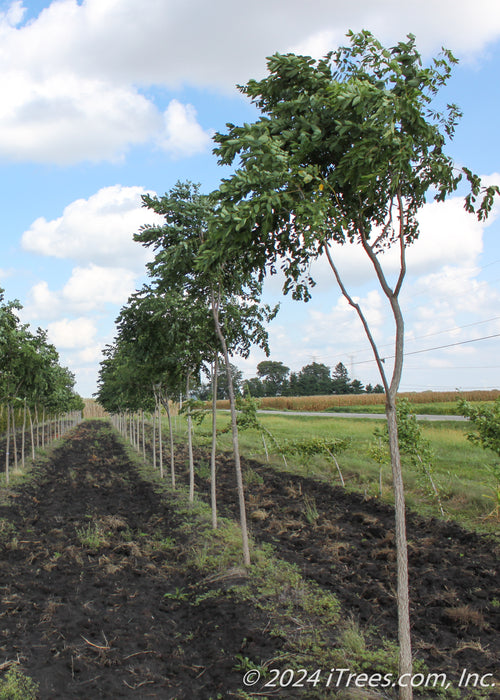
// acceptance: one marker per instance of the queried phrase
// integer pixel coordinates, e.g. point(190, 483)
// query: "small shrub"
point(16, 686)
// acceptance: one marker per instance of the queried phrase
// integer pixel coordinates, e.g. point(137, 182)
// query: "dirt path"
point(90, 552)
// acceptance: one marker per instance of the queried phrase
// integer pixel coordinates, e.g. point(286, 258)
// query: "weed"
point(310, 509)
point(243, 663)
point(178, 595)
point(91, 536)
point(253, 478)
point(203, 471)
point(16, 686)
point(7, 531)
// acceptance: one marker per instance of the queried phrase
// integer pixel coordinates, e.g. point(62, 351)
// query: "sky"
point(105, 100)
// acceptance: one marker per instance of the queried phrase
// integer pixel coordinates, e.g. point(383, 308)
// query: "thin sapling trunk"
point(234, 433)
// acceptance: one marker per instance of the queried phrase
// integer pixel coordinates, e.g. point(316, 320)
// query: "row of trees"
point(275, 379)
point(34, 388)
point(181, 325)
point(344, 152)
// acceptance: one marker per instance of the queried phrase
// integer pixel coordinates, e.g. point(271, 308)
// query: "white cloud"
point(42, 303)
point(71, 78)
point(98, 230)
point(183, 135)
point(66, 118)
point(89, 289)
point(72, 333)
point(93, 287)
point(13, 15)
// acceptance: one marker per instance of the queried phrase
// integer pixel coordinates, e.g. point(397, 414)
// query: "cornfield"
point(93, 409)
point(323, 403)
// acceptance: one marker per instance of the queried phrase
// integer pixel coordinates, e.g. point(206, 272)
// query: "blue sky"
point(103, 100)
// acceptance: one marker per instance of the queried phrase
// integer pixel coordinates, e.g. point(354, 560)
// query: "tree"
point(486, 422)
point(486, 434)
point(274, 375)
point(341, 383)
point(345, 151)
point(255, 387)
point(228, 291)
point(314, 380)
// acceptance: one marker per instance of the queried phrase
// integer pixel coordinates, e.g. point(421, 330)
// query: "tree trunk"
point(154, 432)
point(213, 474)
point(32, 434)
point(190, 443)
point(143, 435)
point(234, 432)
point(14, 438)
point(403, 605)
point(23, 437)
point(160, 441)
point(7, 446)
point(37, 423)
point(404, 634)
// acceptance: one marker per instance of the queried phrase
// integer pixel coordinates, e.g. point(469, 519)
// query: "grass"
point(460, 468)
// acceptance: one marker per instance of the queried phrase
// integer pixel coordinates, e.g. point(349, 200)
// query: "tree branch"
point(361, 315)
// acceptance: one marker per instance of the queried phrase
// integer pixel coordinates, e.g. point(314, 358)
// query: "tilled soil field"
point(346, 543)
point(88, 617)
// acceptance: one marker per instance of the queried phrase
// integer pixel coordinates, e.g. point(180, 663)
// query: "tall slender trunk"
point(143, 435)
point(213, 470)
point(37, 423)
point(391, 389)
point(404, 632)
point(43, 428)
point(32, 434)
point(14, 438)
point(7, 447)
point(23, 437)
point(160, 440)
point(190, 442)
point(171, 441)
point(154, 432)
point(234, 433)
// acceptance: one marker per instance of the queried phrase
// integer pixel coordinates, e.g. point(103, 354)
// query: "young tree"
point(229, 292)
point(345, 151)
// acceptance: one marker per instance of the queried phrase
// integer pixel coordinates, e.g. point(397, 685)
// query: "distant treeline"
point(275, 379)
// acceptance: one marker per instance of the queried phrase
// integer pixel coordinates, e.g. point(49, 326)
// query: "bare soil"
point(93, 621)
point(89, 619)
point(345, 542)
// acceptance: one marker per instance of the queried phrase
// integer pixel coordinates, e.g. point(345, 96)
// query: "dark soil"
point(93, 621)
point(349, 549)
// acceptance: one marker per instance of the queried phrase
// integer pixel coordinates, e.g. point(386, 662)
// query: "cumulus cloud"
point(98, 229)
point(74, 78)
point(72, 333)
point(183, 135)
point(89, 289)
point(66, 118)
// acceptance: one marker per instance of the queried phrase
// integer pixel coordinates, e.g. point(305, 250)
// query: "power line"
point(438, 347)
point(421, 369)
